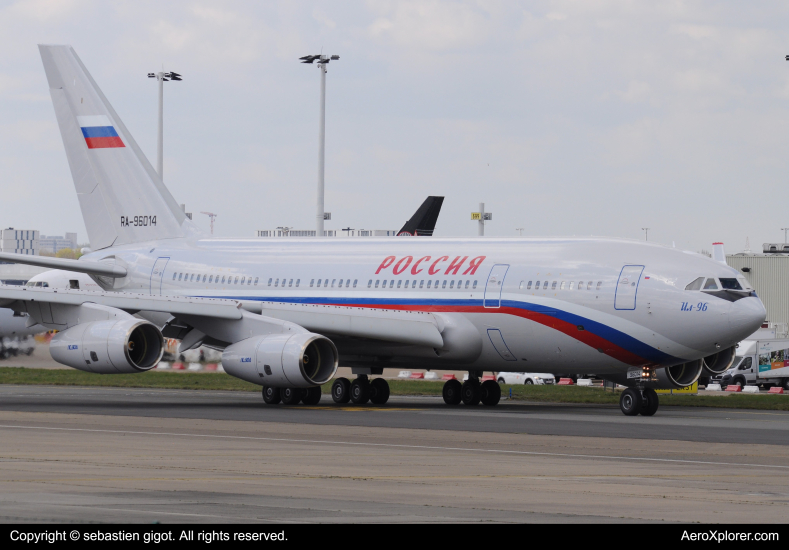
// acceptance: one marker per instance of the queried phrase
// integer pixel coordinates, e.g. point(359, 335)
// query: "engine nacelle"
point(288, 360)
point(679, 376)
point(718, 363)
point(109, 347)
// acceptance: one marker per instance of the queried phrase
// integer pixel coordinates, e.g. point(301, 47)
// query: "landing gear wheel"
point(271, 395)
point(291, 396)
point(470, 392)
point(379, 391)
point(312, 396)
point(360, 391)
point(631, 402)
point(651, 402)
point(452, 392)
point(341, 391)
point(490, 393)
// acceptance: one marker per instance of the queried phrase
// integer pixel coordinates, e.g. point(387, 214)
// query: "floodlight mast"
point(162, 77)
point(322, 60)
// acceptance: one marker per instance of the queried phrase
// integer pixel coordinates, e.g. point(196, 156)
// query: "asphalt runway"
point(140, 455)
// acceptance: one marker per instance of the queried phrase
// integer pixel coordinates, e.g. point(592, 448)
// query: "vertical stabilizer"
point(123, 200)
point(423, 222)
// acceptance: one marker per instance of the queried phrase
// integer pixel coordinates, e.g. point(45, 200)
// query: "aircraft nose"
point(745, 316)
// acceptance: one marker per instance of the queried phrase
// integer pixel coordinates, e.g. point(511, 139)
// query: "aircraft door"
point(156, 275)
point(500, 345)
point(495, 285)
point(627, 287)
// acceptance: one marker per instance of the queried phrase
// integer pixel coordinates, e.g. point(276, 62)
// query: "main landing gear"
point(291, 396)
point(360, 391)
point(635, 401)
point(472, 392)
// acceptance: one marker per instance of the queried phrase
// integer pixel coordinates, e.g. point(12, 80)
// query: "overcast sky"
point(564, 117)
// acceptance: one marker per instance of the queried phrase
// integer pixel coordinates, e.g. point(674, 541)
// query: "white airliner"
point(286, 311)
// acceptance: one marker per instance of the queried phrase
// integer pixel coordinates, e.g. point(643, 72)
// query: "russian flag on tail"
point(99, 132)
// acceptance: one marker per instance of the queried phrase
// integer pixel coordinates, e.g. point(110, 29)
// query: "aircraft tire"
point(452, 392)
point(312, 396)
point(651, 402)
point(470, 392)
point(490, 393)
point(631, 402)
point(291, 396)
point(360, 391)
point(271, 396)
point(341, 391)
point(379, 391)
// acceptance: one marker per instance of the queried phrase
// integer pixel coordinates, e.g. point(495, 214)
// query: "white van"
point(759, 363)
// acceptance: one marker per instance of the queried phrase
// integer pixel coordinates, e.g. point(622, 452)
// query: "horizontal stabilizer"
point(78, 266)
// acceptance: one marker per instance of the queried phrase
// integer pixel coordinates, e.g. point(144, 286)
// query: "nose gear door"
point(156, 275)
point(495, 285)
point(627, 287)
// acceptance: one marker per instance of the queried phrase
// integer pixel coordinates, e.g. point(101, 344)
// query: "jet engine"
point(718, 363)
point(679, 376)
point(109, 347)
point(288, 360)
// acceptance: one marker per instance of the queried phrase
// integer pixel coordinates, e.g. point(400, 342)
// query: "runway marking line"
point(396, 446)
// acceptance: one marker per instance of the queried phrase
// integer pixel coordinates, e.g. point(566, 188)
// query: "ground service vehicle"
point(759, 363)
point(528, 378)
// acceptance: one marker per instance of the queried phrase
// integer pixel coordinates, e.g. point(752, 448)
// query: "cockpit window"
point(710, 284)
point(730, 284)
point(696, 284)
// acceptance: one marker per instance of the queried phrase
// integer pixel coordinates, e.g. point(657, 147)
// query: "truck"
point(763, 362)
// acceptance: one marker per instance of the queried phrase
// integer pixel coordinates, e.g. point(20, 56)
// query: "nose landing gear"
point(635, 401)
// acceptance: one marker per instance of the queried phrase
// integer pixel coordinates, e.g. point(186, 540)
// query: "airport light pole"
point(322, 60)
point(785, 229)
point(520, 231)
point(162, 77)
point(646, 233)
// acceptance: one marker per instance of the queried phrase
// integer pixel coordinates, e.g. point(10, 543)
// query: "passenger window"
point(339, 285)
point(249, 281)
point(520, 286)
point(545, 285)
point(710, 284)
point(243, 279)
point(223, 279)
point(370, 282)
point(406, 283)
point(192, 278)
point(391, 283)
point(746, 364)
point(376, 283)
point(354, 282)
point(256, 280)
point(269, 281)
point(206, 277)
point(695, 284)
point(467, 282)
point(444, 284)
point(290, 283)
point(180, 275)
point(429, 282)
point(452, 283)
point(553, 286)
point(528, 286)
point(312, 282)
point(174, 276)
point(297, 282)
point(276, 283)
point(319, 282)
point(562, 285)
point(475, 284)
point(580, 285)
point(332, 282)
point(399, 283)
point(730, 284)
point(537, 286)
point(572, 285)
point(236, 281)
point(599, 284)
point(589, 285)
point(211, 279)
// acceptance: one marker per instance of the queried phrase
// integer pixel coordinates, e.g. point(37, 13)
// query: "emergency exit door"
point(627, 287)
point(495, 285)
point(156, 275)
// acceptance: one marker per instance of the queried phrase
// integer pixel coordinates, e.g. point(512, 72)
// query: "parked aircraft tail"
point(423, 222)
point(123, 199)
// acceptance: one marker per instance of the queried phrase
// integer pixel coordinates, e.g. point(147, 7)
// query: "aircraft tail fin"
point(423, 222)
point(123, 199)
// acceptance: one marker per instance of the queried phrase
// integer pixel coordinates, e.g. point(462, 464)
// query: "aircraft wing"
point(228, 321)
point(101, 269)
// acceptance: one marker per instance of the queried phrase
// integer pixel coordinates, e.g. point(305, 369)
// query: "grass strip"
point(221, 381)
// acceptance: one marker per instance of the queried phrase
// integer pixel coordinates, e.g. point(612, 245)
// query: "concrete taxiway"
point(108, 454)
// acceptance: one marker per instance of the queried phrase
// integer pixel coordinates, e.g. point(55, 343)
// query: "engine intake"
point(720, 362)
point(109, 347)
point(287, 360)
point(680, 375)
